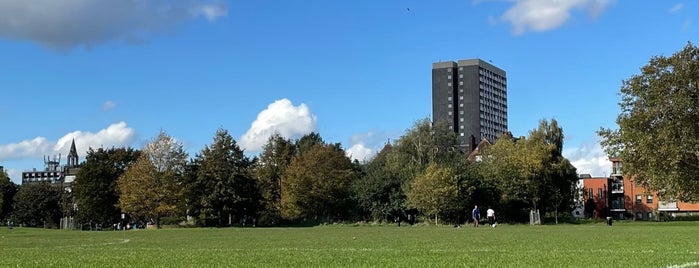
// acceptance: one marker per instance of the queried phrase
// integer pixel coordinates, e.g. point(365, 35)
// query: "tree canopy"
point(95, 188)
point(658, 134)
point(38, 204)
point(8, 189)
point(316, 185)
point(225, 181)
point(152, 187)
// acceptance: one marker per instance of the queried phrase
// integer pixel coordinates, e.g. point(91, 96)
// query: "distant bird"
point(408, 9)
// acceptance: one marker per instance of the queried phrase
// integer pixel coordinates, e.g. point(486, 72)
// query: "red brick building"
point(622, 197)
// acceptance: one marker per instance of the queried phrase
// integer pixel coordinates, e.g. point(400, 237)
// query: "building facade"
point(623, 197)
point(59, 176)
point(471, 97)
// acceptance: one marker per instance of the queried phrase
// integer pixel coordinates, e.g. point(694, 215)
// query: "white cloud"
point(27, 148)
point(69, 23)
point(211, 12)
point(116, 135)
point(544, 15)
point(281, 117)
point(363, 147)
point(108, 105)
point(589, 158)
point(676, 8)
point(360, 153)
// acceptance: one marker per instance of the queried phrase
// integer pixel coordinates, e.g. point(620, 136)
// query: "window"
point(449, 76)
point(461, 75)
point(638, 199)
point(449, 106)
point(650, 215)
point(599, 193)
point(449, 84)
point(449, 98)
point(449, 112)
point(639, 215)
point(649, 199)
point(589, 193)
point(461, 83)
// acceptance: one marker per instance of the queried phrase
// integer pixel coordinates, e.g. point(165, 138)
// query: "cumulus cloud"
point(363, 147)
point(117, 135)
point(360, 153)
point(280, 117)
point(70, 23)
point(676, 8)
point(544, 15)
point(589, 158)
point(108, 105)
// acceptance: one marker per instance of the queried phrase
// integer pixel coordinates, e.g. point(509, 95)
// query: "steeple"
point(73, 155)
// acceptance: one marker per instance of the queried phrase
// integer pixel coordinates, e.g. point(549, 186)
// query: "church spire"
point(73, 155)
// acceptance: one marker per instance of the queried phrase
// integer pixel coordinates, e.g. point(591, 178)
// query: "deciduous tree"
point(316, 185)
point(8, 189)
point(95, 188)
point(436, 192)
point(153, 187)
point(658, 134)
point(38, 204)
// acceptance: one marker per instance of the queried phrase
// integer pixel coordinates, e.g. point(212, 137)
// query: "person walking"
point(475, 214)
point(490, 213)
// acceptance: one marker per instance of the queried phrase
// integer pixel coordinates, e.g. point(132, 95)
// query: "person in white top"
point(491, 217)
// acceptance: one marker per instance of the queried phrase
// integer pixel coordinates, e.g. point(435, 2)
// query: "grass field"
point(625, 244)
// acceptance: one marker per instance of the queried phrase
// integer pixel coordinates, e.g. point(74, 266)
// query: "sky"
point(115, 73)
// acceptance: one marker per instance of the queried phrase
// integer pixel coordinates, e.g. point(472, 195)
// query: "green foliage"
point(224, 181)
point(316, 185)
point(436, 192)
point(379, 192)
point(275, 157)
point(621, 245)
point(531, 172)
point(38, 204)
point(658, 135)
point(95, 188)
point(8, 189)
point(153, 187)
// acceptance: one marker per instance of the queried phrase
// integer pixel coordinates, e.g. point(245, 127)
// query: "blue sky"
point(115, 73)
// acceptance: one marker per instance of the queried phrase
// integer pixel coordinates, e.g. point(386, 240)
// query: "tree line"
point(422, 175)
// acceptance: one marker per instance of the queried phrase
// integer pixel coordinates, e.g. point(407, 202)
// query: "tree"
point(379, 192)
point(531, 172)
point(152, 187)
point(8, 189)
point(316, 185)
point(275, 157)
point(95, 188)
point(224, 175)
point(658, 134)
point(436, 192)
point(390, 174)
point(38, 204)
point(559, 176)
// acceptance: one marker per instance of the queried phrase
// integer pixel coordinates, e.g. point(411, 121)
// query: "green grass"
point(626, 244)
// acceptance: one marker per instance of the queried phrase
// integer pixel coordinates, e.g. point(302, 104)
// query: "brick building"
point(622, 197)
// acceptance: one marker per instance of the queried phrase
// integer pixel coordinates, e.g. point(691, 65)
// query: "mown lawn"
point(625, 244)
